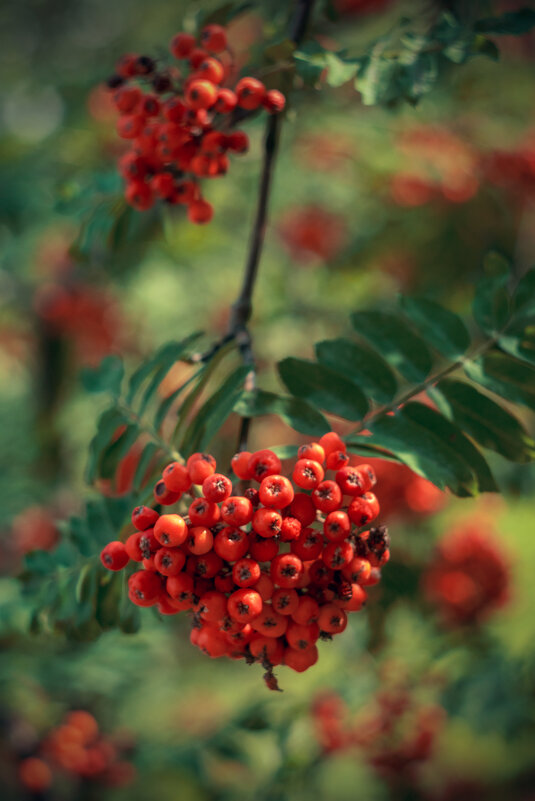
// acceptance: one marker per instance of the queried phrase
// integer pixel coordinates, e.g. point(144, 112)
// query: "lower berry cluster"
point(267, 572)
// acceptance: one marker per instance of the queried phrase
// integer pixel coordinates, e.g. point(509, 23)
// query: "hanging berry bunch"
point(179, 120)
point(266, 572)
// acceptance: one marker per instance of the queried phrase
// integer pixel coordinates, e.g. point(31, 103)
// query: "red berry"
point(171, 530)
point(263, 549)
point(114, 556)
point(362, 510)
point(244, 605)
point(336, 460)
point(226, 101)
point(250, 93)
point(199, 541)
point(200, 466)
point(357, 571)
point(240, 465)
point(276, 491)
point(284, 601)
point(238, 142)
point(127, 98)
point(143, 517)
point(290, 529)
point(332, 619)
point(270, 623)
point(211, 69)
point(237, 511)
point(300, 660)
point(307, 474)
point(144, 588)
point(338, 555)
point(217, 488)
point(246, 572)
point(264, 463)
point(307, 612)
point(332, 442)
point(212, 606)
point(337, 526)
point(201, 94)
point(350, 480)
point(267, 522)
point(303, 509)
point(286, 570)
point(274, 101)
point(327, 496)
point(214, 38)
point(309, 545)
point(200, 211)
point(231, 543)
point(181, 589)
point(312, 451)
point(176, 477)
point(203, 513)
point(182, 45)
point(169, 561)
point(302, 637)
point(139, 195)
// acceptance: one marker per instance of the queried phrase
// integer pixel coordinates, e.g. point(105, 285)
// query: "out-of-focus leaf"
point(297, 413)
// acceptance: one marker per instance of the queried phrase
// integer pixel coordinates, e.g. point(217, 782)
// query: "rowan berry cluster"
point(266, 573)
point(77, 747)
point(469, 576)
point(178, 120)
point(395, 732)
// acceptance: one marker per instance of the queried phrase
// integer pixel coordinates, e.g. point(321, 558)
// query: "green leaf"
point(423, 450)
point(361, 365)
point(117, 450)
point(506, 376)
point(513, 23)
point(296, 413)
point(419, 78)
point(524, 297)
point(339, 70)
point(441, 328)
point(377, 78)
point(166, 403)
point(491, 305)
point(107, 425)
point(391, 336)
point(145, 460)
point(109, 600)
point(107, 377)
point(484, 420)
point(323, 387)
point(166, 356)
point(214, 412)
point(519, 342)
point(452, 435)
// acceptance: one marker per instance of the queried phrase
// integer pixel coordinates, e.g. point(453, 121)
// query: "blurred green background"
point(367, 202)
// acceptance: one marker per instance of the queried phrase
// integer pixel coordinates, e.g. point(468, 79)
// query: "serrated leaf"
point(166, 403)
point(361, 365)
point(296, 413)
point(147, 455)
point(424, 451)
point(452, 435)
point(214, 412)
point(484, 420)
point(506, 376)
point(168, 354)
point(394, 339)
point(514, 23)
point(107, 425)
point(441, 328)
point(491, 306)
point(323, 387)
point(117, 450)
point(107, 377)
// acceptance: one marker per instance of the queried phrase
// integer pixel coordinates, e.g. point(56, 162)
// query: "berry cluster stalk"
point(242, 308)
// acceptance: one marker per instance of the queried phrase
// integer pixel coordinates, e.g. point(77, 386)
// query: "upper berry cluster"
point(267, 572)
point(179, 120)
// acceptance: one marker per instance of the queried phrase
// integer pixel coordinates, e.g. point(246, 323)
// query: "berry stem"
point(243, 307)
